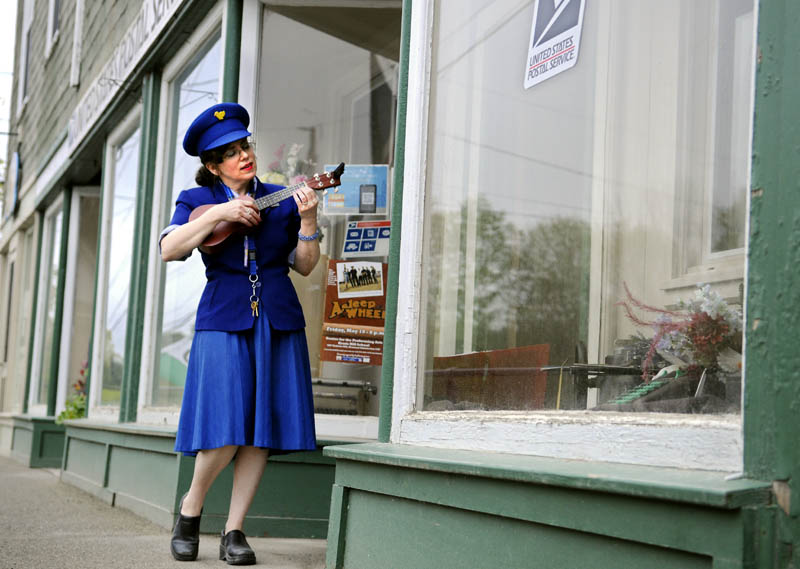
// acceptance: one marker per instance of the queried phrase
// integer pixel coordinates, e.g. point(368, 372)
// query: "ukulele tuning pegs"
point(324, 192)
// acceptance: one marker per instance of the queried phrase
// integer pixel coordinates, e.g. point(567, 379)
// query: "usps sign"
point(555, 39)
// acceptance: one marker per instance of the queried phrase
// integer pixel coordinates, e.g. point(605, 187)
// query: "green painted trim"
point(334, 557)
point(233, 50)
point(772, 393)
point(390, 325)
point(135, 467)
point(686, 527)
point(151, 92)
point(384, 529)
point(43, 434)
point(29, 371)
point(773, 286)
point(153, 442)
point(55, 355)
point(702, 487)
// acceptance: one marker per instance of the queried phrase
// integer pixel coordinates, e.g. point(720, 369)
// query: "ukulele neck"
point(275, 197)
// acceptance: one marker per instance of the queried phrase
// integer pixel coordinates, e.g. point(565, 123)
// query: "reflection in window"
point(83, 300)
point(23, 332)
point(548, 207)
point(339, 107)
point(52, 265)
point(194, 90)
point(9, 309)
point(734, 70)
point(121, 231)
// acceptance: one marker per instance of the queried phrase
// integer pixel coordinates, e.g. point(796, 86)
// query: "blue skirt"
point(250, 388)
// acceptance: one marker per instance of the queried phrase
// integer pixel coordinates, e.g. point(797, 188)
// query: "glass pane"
point(9, 309)
point(195, 90)
point(120, 239)
point(546, 205)
point(734, 70)
point(88, 215)
point(23, 321)
point(53, 252)
point(348, 116)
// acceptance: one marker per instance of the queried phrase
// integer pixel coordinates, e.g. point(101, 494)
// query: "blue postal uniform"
point(248, 380)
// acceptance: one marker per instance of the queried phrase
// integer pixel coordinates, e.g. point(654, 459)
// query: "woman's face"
point(238, 166)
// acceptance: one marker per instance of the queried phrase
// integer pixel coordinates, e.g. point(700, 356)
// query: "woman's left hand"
point(307, 202)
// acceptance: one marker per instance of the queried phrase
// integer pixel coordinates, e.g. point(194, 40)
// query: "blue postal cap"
point(216, 126)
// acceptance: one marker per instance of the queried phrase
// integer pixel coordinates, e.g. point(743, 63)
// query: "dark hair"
point(204, 176)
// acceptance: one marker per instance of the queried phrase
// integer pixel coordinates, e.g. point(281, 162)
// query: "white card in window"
point(367, 239)
point(555, 39)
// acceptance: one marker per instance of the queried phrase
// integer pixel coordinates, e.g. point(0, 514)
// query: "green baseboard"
point(443, 508)
point(134, 467)
point(37, 442)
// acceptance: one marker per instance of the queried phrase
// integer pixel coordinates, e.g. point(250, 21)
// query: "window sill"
point(725, 269)
point(712, 489)
point(128, 428)
point(330, 428)
point(709, 442)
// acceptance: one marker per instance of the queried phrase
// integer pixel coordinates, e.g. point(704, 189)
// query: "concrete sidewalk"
point(45, 524)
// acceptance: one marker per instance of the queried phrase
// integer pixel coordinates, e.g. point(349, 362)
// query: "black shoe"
point(185, 535)
point(235, 550)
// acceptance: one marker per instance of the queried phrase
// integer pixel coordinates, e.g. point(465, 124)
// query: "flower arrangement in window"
point(704, 332)
point(75, 405)
point(288, 168)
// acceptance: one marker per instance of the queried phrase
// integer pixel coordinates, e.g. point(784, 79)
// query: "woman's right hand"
point(241, 210)
point(179, 243)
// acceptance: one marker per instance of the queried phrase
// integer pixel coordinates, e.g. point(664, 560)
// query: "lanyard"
point(249, 254)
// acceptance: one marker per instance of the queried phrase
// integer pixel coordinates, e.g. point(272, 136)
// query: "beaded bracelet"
point(302, 237)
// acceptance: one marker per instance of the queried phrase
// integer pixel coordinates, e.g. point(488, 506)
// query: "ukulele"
point(225, 229)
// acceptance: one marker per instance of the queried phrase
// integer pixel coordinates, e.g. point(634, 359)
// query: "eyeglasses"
point(237, 148)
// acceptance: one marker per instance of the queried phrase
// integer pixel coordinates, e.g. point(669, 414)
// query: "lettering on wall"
point(149, 22)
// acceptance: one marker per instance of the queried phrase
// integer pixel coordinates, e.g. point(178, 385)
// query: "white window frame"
point(53, 17)
point(702, 442)
point(210, 26)
point(18, 368)
point(723, 268)
point(10, 313)
point(95, 410)
point(23, 86)
point(68, 310)
point(77, 45)
point(8, 317)
point(328, 427)
point(35, 408)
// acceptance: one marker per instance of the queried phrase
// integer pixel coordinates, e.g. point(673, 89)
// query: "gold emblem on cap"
point(220, 114)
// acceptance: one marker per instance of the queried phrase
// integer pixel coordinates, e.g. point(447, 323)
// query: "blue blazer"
point(225, 303)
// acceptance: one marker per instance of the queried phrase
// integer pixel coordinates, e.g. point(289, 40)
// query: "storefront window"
point(118, 234)
point(83, 253)
point(195, 89)
point(327, 94)
point(48, 287)
point(19, 355)
point(568, 222)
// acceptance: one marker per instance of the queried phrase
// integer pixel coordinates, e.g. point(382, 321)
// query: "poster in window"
point(355, 309)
